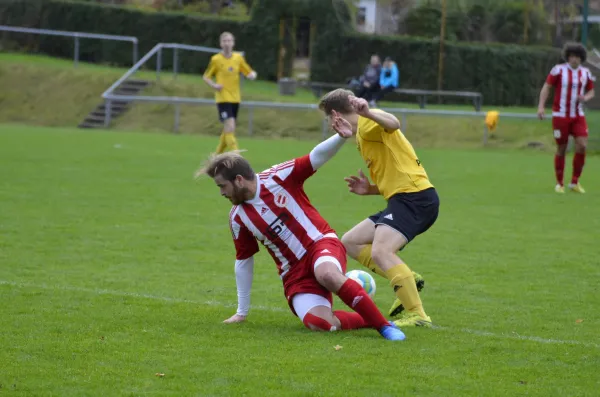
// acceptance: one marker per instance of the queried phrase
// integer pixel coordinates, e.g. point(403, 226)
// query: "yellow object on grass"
point(491, 120)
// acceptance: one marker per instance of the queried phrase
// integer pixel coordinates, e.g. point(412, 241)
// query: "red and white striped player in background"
point(573, 86)
point(272, 207)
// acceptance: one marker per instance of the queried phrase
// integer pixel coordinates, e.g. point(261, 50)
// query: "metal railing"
point(76, 36)
point(109, 97)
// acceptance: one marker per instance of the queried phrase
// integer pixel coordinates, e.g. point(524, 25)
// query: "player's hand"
point(236, 318)
point(367, 84)
point(252, 75)
point(360, 105)
point(218, 87)
point(582, 98)
point(541, 113)
point(341, 125)
point(358, 184)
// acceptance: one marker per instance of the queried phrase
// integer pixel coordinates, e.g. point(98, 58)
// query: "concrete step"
point(95, 119)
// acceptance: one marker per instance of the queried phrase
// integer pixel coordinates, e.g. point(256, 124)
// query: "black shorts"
point(410, 213)
point(227, 110)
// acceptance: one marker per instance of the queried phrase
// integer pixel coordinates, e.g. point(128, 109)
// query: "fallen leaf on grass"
point(337, 347)
point(579, 321)
point(160, 374)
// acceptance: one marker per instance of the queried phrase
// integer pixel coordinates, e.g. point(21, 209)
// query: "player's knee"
point(580, 147)
point(383, 256)
point(230, 125)
point(318, 323)
point(329, 276)
point(352, 248)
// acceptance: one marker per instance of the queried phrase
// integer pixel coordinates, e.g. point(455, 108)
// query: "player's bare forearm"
point(388, 121)
point(544, 93)
point(589, 95)
point(209, 82)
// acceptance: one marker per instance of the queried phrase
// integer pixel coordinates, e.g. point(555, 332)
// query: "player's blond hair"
point(226, 34)
point(338, 100)
point(228, 165)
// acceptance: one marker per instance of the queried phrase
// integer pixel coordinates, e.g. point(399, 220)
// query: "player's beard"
point(240, 194)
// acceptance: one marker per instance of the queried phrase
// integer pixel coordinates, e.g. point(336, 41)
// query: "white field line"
point(512, 336)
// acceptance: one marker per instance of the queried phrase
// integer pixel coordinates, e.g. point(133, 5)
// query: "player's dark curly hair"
point(228, 166)
point(338, 100)
point(576, 49)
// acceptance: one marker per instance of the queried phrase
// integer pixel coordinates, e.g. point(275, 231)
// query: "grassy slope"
point(114, 266)
point(47, 91)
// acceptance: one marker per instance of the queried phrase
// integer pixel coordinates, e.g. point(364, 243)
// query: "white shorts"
point(304, 302)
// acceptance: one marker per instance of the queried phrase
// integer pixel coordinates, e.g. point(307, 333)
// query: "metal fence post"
point(175, 63)
point(324, 128)
point(485, 134)
point(135, 52)
point(250, 119)
point(176, 123)
point(76, 51)
point(107, 112)
point(158, 63)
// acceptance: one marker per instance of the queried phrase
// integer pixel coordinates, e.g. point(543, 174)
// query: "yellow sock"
point(365, 259)
point(230, 141)
point(222, 144)
point(401, 278)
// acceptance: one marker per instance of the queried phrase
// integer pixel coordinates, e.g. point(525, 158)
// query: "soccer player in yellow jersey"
point(399, 176)
point(226, 67)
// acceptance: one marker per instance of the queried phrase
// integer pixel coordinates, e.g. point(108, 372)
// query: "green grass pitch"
point(115, 266)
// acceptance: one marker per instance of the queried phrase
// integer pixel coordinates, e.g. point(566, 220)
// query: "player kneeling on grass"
point(273, 208)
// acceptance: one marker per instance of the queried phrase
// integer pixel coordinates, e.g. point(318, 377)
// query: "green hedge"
point(506, 75)
point(149, 27)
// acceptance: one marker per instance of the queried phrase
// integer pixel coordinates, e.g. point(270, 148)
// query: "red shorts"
point(301, 277)
point(565, 126)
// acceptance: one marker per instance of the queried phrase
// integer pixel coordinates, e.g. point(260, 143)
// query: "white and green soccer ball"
point(364, 279)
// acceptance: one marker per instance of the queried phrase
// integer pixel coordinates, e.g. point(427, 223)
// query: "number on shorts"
point(557, 134)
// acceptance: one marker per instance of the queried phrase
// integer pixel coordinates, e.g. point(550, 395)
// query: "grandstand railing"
point(76, 36)
point(109, 97)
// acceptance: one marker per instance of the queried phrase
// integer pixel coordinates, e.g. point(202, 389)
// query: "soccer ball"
point(364, 279)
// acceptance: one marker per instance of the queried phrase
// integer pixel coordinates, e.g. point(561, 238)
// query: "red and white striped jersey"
point(568, 84)
point(280, 216)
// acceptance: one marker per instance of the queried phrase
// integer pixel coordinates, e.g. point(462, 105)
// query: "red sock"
point(317, 323)
point(559, 168)
point(350, 320)
point(353, 295)
point(578, 162)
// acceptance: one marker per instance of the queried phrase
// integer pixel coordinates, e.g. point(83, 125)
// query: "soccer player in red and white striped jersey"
point(573, 86)
point(272, 207)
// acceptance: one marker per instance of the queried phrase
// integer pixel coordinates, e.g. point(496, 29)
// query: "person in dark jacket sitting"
point(369, 81)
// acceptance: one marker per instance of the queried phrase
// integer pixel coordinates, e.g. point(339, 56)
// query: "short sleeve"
point(211, 69)
point(245, 243)
point(244, 67)
point(590, 81)
point(553, 76)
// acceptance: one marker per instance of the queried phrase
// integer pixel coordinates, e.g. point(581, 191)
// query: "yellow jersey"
point(227, 73)
point(393, 164)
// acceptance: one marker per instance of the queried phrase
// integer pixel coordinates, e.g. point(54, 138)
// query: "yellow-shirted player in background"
point(400, 178)
point(226, 67)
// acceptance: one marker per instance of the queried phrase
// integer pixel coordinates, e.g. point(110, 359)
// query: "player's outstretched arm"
point(325, 150)
point(387, 120)
point(244, 272)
